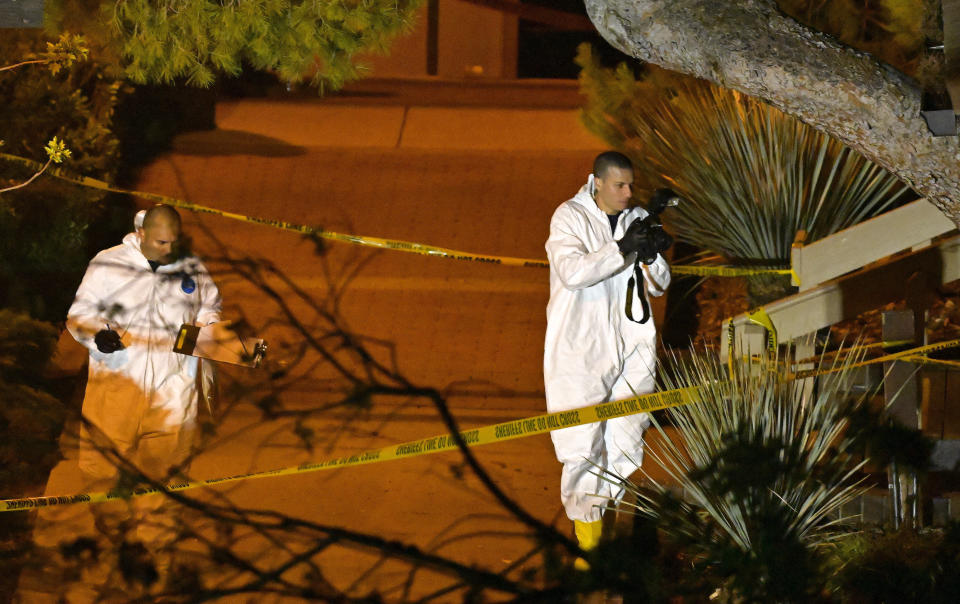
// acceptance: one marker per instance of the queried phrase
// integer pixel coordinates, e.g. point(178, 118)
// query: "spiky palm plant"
point(763, 464)
point(751, 175)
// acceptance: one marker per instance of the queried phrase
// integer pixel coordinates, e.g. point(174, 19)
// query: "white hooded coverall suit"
point(593, 353)
point(143, 397)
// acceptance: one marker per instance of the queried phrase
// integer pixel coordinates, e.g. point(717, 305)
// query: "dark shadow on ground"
point(233, 142)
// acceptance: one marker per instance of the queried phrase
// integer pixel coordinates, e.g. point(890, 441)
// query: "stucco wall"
point(472, 42)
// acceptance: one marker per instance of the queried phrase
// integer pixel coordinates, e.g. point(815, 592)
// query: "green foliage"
point(43, 245)
point(75, 105)
point(30, 418)
point(26, 346)
point(751, 175)
point(764, 464)
point(59, 55)
point(63, 53)
point(162, 41)
point(904, 567)
point(887, 441)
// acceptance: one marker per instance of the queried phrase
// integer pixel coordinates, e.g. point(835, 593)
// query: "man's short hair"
point(610, 159)
point(161, 212)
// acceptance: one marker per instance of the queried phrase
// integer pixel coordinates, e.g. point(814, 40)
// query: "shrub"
point(751, 176)
point(765, 464)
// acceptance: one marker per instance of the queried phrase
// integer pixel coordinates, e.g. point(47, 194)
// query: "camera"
point(651, 238)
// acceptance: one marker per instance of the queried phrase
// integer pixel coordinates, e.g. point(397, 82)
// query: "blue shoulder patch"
point(187, 284)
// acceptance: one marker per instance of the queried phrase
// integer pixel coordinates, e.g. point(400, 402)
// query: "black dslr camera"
point(651, 239)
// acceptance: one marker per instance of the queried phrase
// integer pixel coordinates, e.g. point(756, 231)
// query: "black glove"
point(659, 199)
point(108, 341)
point(634, 238)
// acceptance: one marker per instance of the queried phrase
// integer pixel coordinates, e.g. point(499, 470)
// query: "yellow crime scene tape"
point(856, 349)
point(377, 242)
point(519, 428)
point(479, 436)
point(485, 435)
point(759, 317)
point(912, 355)
point(928, 361)
point(728, 271)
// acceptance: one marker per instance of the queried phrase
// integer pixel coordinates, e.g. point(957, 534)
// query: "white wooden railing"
point(855, 270)
point(909, 227)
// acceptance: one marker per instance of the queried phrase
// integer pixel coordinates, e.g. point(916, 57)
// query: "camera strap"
point(637, 280)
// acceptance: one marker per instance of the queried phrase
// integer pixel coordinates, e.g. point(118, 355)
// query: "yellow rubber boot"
point(588, 536)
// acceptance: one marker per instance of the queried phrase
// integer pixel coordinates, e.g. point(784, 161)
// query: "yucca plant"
point(752, 176)
point(764, 465)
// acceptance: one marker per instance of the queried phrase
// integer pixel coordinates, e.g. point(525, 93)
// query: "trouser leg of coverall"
point(583, 490)
point(113, 406)
point(161, 449)
point(623, 437)
point(579, 448)
point(154, 439)
point(112, 410)
point(612, 446)
point(594, 457)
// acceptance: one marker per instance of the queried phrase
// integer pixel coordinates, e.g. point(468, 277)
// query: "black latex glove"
point(108, 341)
point(634, 238)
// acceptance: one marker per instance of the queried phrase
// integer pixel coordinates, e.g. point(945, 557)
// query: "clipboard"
point(218, 342)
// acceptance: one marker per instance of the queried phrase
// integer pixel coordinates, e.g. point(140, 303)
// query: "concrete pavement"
point(313, 124)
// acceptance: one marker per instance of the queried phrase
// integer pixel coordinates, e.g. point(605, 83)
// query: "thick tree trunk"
point(753, 47)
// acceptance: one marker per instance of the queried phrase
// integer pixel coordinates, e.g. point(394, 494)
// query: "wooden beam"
point(907, 227)
point(846, 297)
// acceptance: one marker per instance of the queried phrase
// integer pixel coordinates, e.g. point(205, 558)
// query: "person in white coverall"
point(593, 352)
point(141, 397)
